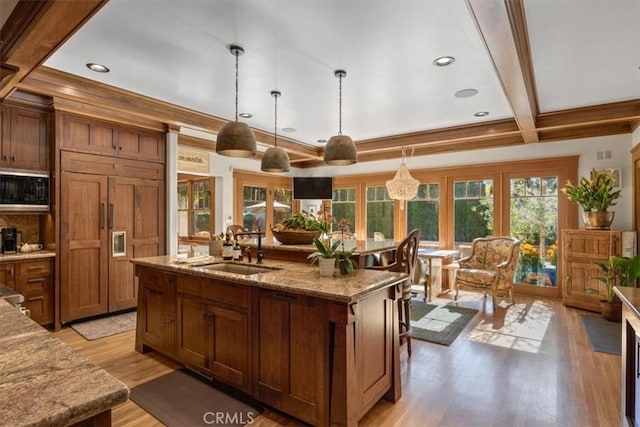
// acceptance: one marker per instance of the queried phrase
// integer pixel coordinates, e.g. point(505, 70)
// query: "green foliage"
point(473, 218)
point(303, 220)
point(326, 250)
point(621, 271)
point(594, 194)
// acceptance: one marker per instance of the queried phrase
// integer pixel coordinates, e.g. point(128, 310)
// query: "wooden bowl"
point(299, 237)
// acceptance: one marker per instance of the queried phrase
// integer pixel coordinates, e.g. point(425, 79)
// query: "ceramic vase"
point(327, 266)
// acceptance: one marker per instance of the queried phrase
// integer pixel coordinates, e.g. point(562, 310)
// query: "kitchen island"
point(324, 350)
point(44, 382)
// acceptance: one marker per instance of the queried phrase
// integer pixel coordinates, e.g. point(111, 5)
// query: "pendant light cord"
point(236, 54)
point(340, 104)
point(275, 122)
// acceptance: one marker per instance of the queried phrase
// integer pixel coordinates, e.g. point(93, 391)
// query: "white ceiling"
point(584, 52)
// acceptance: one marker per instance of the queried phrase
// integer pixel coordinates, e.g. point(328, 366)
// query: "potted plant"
point(621, 271)
point(334, 252)
point(595, 194)
point(300, 228)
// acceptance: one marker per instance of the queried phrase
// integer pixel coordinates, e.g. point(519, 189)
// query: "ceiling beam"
point(502, 26)
point(34, 30)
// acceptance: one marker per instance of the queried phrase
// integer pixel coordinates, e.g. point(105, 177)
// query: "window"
point(343, 205)
point(534, 220)
point(254, 207)
point(380, 213)
point(472, 212)
point(195, 207)
point(422, 213)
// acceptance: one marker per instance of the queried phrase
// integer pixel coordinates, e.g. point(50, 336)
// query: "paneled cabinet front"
point(23, 140)
point(105, 222)
point(157, 312)
point(213, 333)
point(35, 283)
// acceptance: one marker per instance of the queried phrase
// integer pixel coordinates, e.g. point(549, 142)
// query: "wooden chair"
point(490, 267)
point(405, 261)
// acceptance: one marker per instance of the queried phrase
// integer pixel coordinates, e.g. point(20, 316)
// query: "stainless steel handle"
point(103, 219)
point(41, 297)
point(37, 280)
point(35, 267)
point(111, 216)
point(149, 293)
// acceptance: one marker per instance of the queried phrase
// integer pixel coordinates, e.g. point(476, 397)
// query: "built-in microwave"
point(24, 191)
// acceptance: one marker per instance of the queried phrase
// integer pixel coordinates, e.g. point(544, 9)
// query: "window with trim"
point(196, 208)
point(380, 214)
point(343, 206)
point(472, 212)
point(422, 213)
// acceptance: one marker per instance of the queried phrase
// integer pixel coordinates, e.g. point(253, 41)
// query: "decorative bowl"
point(296, 237)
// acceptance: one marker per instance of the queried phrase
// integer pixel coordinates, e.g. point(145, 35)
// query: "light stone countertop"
point(26, 256)
point(45, 382)
point(292, 277)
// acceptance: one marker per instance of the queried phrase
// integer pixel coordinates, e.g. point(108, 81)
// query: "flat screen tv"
point(312, 187)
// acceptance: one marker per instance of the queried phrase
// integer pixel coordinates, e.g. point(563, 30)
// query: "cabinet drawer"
point(225, 293)
point(34, 286)
point(35, 268)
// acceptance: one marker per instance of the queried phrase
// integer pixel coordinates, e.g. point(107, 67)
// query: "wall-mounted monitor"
point(312, 187)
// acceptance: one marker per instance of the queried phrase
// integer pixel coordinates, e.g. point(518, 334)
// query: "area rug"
point(106, 326)
point(604, 336)
point(182, 399)
point(439, 324)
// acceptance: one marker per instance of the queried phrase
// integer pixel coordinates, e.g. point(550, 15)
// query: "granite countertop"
point(629, 296)
point(26, 256)
point(358, 247)
point(45, 382)
point(292, 277)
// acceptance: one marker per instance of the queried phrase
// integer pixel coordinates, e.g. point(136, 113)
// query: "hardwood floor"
point(529, 366)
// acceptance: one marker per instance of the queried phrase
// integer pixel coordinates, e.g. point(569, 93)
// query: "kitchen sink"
point(242, 269)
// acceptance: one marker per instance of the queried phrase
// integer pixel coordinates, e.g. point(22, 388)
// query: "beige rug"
point(106, 326)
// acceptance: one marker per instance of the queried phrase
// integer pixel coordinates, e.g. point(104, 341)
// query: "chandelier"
point(403, 186)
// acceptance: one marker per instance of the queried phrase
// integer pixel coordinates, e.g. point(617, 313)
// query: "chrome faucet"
point(259, 234)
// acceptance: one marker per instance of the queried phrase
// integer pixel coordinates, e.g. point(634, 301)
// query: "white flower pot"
point(327, 266)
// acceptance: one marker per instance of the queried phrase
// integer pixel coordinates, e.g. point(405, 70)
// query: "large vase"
point(611, 311)
point(327, 266)
point(598, 220)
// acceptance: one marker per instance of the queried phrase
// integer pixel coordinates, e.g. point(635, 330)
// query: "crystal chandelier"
point(403, 186)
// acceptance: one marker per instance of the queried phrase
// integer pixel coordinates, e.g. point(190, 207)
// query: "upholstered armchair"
point(490, 267)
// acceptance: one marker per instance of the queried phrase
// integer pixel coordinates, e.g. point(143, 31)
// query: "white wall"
point(619, 145)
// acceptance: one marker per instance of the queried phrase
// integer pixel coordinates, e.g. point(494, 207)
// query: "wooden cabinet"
point(290, 361)
point(98, 137)
point(8, 274)
point(35, 282)
point(23, 139)
point(581, 251)
point(213, 329)
point(105, 222)
point(156, 316)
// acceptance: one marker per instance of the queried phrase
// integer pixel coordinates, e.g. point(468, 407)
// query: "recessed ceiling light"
point(443, 61)
point(321, 141)
point(246, 115)
point(289, 129)
point(98, 68)
point(466, 93)
point(481, 113)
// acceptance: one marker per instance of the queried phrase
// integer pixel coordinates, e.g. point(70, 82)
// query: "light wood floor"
point(480, 380)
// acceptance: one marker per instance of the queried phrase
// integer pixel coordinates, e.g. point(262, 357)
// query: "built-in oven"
point(24, 191)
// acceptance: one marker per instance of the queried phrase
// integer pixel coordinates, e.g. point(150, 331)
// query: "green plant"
point(331, 250)
point(621, 271)
point(302, 220)
point(594, 194)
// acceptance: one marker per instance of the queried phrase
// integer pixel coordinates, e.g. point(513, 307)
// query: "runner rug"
point(106, 326)
point(181, 399)
point(604, 336)
point(439, 324)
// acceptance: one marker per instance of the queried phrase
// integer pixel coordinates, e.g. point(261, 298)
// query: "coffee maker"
point(9, 240)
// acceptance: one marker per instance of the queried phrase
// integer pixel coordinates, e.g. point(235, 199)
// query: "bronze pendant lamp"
point(275, 159)
point(236, 139)
point(340, 150)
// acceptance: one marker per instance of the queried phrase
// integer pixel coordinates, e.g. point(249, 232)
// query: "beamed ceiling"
point(544, 70)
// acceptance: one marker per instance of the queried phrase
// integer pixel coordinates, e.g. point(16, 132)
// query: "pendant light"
point(340, 150)
point(403, 186)
point(236, 139)
point(275, 159)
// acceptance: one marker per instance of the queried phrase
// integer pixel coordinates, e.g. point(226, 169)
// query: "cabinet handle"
point(13, 158)
point(206, 315)
point(37, 280)
point(103, 219)
point(35, 267)
point(4, 158)
point(41, 297)
point(120, 147)
point(149, 293)
point(111, 216)
point(169, 321)
point(286, 296)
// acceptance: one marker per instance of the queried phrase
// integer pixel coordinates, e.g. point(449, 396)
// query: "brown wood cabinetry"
point(98, 137)
point(156, 325)
point(35, 282)
point(8, 274)
point(581, 251)
point(290, 357)
point(23, 138)
point(213, 332)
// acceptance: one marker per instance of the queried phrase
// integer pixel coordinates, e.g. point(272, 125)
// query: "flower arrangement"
point(552, 253)
point(594, 194)
point(529, 254)
point(335, 250)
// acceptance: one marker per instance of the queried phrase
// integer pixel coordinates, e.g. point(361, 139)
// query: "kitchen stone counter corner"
point(293, 277)
point(45, 382)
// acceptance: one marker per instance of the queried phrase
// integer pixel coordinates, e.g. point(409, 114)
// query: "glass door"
point(472, 212)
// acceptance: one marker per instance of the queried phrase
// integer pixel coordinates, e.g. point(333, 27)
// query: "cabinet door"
point(141, 145)
point(35, 283)
point(152, 312)
point(7, 274)
point(290, 353)
point(229, 331)
point(28, 135)
point(193, 342)
point(91, 136)
point(136, 227)
point(83, 246)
